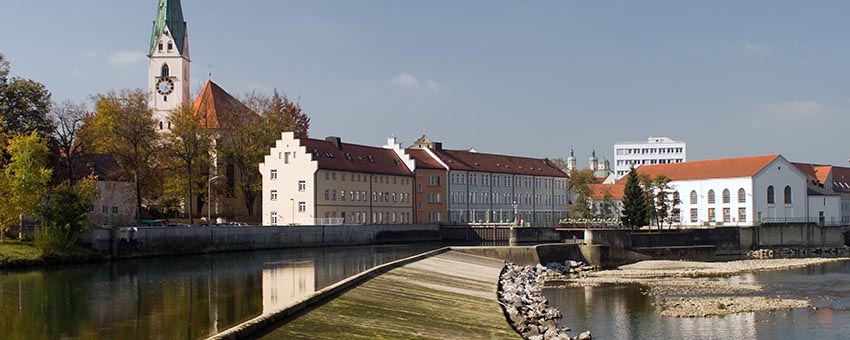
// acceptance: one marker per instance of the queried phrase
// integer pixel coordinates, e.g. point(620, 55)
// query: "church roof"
point(218, 107)
point(170, 14)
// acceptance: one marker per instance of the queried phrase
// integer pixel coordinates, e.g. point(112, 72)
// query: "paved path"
point(448, 296)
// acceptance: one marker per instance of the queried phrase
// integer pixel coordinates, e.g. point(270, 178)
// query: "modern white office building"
point(656, 150)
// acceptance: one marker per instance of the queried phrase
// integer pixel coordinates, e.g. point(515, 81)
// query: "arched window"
point(164, 73)
point(742, 196)
point(727, 197)
point(693, 197)
point(787, 194)
point(771, 199)
point(711, 196)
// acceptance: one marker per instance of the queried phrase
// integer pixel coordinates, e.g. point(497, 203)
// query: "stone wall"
point(132, 242)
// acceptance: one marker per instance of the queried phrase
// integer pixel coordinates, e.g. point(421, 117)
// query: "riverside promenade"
point(447, 296)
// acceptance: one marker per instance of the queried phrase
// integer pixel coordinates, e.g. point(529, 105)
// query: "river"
point(616, 312)
point(175, 297)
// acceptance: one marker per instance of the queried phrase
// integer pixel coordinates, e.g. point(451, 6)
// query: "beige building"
point(324, 182)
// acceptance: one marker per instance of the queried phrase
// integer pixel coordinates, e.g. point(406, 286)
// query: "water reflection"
point(187, 297)
point(623, 312)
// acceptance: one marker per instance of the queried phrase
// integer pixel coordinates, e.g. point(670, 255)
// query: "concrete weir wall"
point(595, 255)
point(177, 240)
point(797, 235)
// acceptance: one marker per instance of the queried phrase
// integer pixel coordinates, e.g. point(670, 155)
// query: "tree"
point(124, 127)
point(65, 215)
point(607, 208)
point(68, 118)
point(188, 144)
point(663, 202)
point(634, 202)
point(244, 149)
point(559, 163)
point(648, 186)
point(24, 104)
point(25, 178)
point(285, 115)
point(580, 181)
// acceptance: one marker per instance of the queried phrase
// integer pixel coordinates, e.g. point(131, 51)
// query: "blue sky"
point(732, 78)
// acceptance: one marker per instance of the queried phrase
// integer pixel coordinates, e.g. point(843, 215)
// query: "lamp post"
point(293, 210)
point(209, 204)
point(516, 217)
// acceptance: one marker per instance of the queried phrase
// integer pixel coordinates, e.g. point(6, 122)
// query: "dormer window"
point(170, 46)
point(160, 47)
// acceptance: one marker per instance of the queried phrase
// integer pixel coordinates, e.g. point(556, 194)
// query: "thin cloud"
point(432, 85)
point(792, 115)
point(405, 81)
point(123, 58)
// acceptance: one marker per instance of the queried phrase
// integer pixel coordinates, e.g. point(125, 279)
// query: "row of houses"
point(749, 191)
point(326, 181)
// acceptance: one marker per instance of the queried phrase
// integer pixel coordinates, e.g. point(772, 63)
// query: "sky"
point(518, 77)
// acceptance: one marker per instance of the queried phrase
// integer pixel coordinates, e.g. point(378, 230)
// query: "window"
point(327, 195)
point(274, 217)
point(727, 197)
point(694, 214)
point(727, 215)
point(273, 195)
point(285, 158)
point(114, 210)
point(333, 195)
point(160, 47)
point(693, 198)
point(742, 196)
point(433, 180)
point(302, 207)
point(170, 46)
point(787, 194)
point(273, 174)
point(342, 195)
point(165, 98)
point(302, 186)
point(711, 196)
point(771, 199)
point(164, 72)
point(105, 209)
point(711, 215)
point(419, 188)
point(742, 214)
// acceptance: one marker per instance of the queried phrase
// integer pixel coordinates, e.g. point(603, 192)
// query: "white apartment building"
point(656, 150)
point(319, 182)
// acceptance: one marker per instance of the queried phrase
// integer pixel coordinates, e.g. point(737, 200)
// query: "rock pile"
point(761, 254)
point(524, 304)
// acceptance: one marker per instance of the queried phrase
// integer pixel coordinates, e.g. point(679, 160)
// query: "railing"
point(329, 221)
point(801, 220)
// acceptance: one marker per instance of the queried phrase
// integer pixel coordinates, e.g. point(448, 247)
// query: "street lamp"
point(209, 204)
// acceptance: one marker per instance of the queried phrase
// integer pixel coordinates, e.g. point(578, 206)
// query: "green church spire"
point(169, 14)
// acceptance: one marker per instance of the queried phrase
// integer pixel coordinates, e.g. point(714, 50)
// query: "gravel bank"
point(691, 289)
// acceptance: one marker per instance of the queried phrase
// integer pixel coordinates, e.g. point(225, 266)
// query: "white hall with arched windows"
point(744, 191)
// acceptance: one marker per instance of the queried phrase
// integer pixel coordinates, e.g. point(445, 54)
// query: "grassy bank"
point(14, 253)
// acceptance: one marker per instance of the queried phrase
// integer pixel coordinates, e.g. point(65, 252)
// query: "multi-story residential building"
point(116, 203)
point(739, 191)
point(430, 180)
point(656, 150)
point(312, 181)
point(490, 188)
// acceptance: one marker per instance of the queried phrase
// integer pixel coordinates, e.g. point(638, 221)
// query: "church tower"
point(168, 62)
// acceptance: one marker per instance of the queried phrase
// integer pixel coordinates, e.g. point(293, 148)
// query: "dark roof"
point(424, 160)
point(104, 166)
point(841, 179)
point(355, 158)
point(475, 161)
point(219, 109)
point(715, 168)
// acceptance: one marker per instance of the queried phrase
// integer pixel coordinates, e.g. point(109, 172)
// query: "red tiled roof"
point(424, 160)
point(474, 161)
point(808, 169)
point(355, 158)
point(598, 191)
point(715, 168)
point(822, 172)
point(218, 107)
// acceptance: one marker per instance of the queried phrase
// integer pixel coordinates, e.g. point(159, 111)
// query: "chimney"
point(438, 146)
point(336, 141)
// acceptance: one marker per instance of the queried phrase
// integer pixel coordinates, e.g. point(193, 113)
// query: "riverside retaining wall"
point(126, 242)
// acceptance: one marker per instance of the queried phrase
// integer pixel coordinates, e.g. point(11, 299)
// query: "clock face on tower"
point(165, 86)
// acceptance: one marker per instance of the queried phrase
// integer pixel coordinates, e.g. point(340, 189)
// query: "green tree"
point(634, 202)
point(124, 127)
point(65, 215)
point(24, 179)
point(607, 208)
point(24, 104)
point(663, 200)
point(648, 186)
point(188, 145)
point(580, 181)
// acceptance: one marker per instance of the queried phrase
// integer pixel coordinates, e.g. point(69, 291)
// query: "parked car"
point(179, 225)
point(237, 224)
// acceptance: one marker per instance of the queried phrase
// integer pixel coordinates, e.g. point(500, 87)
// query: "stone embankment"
point(792, 252)
point(523, 302)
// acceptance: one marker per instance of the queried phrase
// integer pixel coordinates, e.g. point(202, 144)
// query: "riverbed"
point(627, 309)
